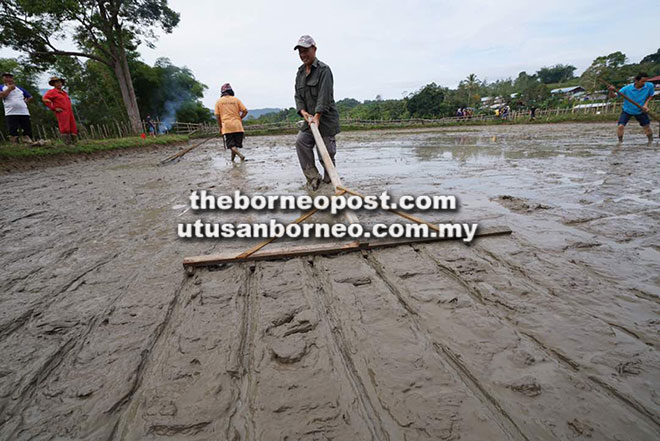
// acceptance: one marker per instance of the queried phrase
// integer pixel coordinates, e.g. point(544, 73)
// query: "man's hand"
point(59, 109)
point(316, 119)
point(305, 115)
point(12, 87)
point(612, 88)
point(645, 108)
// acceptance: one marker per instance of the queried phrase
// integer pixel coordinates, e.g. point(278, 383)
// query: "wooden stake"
point(300, 220)
point(324, 249)
point(410, 217)
point(183, 152)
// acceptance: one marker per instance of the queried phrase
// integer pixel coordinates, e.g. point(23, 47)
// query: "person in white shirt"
point(15, 101)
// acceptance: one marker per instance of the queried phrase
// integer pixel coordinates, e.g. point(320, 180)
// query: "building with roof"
point(570, 91)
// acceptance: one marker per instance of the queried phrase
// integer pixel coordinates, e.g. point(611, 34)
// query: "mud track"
point(548, 334)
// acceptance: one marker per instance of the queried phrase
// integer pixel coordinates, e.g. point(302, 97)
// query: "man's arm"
point(612, 92)
point(645, 107)
point(300, 103)
point(7, 90)
point(325, 97)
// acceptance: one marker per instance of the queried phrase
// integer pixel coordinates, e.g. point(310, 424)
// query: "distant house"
point(655, 80)
point(570, 91)
point(590, 106)
point(492, 102)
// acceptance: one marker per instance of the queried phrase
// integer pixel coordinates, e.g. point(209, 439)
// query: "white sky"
point(389, 47)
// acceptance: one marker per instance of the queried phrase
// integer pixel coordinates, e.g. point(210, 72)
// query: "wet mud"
point(549, 333)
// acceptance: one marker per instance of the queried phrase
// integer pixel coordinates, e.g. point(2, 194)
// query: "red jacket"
point(59, 98)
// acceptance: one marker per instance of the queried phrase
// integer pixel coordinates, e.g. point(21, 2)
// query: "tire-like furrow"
point(412, 390)
point(561, 338)
point(526, 380)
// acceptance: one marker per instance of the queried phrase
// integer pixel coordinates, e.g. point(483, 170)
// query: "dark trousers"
point(305, 144)
point(15, 122)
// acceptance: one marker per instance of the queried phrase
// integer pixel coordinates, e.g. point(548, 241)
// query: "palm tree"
point(471, 84)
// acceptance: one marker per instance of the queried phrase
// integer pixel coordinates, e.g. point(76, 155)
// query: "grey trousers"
point(305, 148)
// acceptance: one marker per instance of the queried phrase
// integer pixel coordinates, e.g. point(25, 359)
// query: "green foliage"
point(104, 31)
point(555, 74)
point(98, 28)
point(428, 102)
point(93, 89)
point(193, 112)
point(344, 106)
point(609, 68)
point(651, 58)
point(168, 92)
point(164, 91)
point(468, 91)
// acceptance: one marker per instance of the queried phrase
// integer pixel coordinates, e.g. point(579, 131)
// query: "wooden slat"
point(324, 249)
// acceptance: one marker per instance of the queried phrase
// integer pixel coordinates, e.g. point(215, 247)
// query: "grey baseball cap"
point(305, 41)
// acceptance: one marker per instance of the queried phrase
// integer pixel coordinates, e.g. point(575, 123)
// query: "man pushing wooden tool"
point(316, 104)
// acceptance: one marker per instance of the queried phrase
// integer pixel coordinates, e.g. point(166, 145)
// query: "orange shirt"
point(229, 109)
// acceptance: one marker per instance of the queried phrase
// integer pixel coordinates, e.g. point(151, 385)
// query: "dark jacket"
point(314, 93)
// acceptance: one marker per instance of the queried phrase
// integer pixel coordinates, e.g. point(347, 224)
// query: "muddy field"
point(549, 333)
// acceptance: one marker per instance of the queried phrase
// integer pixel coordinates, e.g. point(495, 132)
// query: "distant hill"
point(256, 113)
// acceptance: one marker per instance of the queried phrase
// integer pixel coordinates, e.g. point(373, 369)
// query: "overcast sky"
point(391, 47)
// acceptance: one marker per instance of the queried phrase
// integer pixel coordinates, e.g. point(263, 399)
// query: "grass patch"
point(12, 151)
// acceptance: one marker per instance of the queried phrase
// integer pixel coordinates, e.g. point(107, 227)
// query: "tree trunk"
point(120, 66)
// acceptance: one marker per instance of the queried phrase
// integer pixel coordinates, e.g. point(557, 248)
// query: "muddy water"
point(547, 334)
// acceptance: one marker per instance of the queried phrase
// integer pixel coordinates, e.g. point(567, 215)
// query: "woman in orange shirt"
point(230, 112)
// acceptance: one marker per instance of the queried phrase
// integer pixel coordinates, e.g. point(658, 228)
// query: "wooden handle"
point(330, 169)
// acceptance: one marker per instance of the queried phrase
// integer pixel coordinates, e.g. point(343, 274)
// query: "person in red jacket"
point(57, 100)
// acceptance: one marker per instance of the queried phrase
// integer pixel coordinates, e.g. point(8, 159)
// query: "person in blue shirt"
point(641, 92)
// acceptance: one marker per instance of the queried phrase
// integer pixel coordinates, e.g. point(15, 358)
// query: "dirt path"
point(547, 334)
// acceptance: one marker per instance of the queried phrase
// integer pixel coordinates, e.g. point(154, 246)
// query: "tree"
point(176, 88)
point(556, 74)
point(93, 89)
point(103, 31)
point(652, 58)
point(163, 91)
point(427, 102)
point(345, 105)
point(470, 87)
point(606, 68)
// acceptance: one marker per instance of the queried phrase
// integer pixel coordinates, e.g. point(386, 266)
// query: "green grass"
point(22, 151)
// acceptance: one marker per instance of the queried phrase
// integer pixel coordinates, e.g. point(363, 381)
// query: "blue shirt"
point(637, 95)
